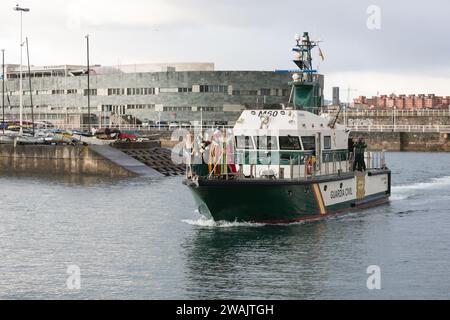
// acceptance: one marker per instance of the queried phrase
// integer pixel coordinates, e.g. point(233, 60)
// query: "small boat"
point(286, 165)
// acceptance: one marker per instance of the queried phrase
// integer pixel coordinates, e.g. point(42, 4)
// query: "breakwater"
point(58, 160)
point(406, 141)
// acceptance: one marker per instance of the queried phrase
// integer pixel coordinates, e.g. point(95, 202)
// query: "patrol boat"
point(286, 165)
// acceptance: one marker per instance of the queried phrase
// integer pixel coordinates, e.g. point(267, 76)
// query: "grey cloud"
point(246, 34)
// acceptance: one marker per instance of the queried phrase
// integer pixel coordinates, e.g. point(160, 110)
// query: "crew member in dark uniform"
point(360, 148)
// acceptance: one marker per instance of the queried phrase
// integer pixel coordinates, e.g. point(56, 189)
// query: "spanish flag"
point(321, 54)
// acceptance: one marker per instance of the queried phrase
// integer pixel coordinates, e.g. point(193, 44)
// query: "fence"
point(392, 112)
point(400, 128)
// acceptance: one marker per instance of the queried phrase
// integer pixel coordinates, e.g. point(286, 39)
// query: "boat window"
point(309, 143)
point(327, 142)
point(244, 142)
point(266, 143)
point(290, 143)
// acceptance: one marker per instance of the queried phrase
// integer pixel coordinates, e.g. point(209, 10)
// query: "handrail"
point(390, 112)
point(400, 128)
point(374, 160)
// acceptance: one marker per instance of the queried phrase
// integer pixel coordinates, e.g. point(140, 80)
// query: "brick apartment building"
point(403, 102)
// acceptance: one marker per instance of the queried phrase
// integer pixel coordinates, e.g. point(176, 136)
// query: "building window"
point(140, 91)
point(177, 109)
point(71, 91)
point(57, 91)
point(140, 106)
point(93, 92)
point(245, 92)
point(168, 90)
point(184, 90)
point(265, 92)
point(210, 109)
point(213, 88)
point(116, 92)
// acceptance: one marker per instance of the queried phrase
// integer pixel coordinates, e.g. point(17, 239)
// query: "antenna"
point(303, 56)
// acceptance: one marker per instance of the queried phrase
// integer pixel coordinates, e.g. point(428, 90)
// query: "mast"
point(305, 93)
point(3, 90)
point(303, 56)
point(29, 82)
point(88, 85)
point(21, 10)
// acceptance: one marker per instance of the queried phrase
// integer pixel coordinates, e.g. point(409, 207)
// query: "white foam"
point(398, 197)
point(433, 183)
point(210, 223)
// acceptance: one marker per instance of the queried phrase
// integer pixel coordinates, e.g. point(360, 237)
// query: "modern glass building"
point(176, 92)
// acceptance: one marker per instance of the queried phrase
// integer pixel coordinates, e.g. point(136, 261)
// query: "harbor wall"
point(58, 160)
point(406, 141)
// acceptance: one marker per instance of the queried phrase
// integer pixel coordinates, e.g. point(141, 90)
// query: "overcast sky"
point(410, 52)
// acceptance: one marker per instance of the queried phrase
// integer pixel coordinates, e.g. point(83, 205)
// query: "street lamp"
point(21, 10)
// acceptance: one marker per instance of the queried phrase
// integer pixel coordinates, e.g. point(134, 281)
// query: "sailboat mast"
point(3, 89)
point(88, 84)
point(29, 82)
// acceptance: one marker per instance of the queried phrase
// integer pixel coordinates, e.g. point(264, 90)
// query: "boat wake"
point(397, 197)
point(432, 184)
point(403, 192)
point(210, 223)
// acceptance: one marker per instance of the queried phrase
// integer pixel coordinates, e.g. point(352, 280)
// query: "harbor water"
point(143, 239)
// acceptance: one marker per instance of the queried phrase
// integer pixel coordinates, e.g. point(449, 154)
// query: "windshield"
point(244, 142)
point(266, 143)
point(290, 143)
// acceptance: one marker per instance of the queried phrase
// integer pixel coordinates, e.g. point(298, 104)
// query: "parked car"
point(128, 136)
point(161, 124)
point(221, 123)
point(186, 125)
point(148, 123)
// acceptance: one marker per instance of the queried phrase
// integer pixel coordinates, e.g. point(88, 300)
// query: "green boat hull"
point(269, 202)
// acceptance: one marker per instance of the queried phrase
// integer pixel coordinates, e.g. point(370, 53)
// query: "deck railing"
point(400, 128)
point(390, 112)
point(301, 168)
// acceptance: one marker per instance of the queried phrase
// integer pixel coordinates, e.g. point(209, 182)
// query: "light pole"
point(21, 10)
